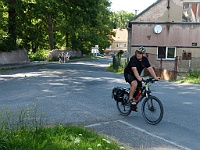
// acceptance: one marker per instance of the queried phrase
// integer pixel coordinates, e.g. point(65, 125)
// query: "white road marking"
point(141, 130)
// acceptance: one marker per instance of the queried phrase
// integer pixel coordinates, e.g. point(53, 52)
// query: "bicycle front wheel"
point(152, 110)
point(124, 108)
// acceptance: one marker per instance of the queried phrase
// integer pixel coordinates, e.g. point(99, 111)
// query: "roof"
point(145, 10)
point(121, 35)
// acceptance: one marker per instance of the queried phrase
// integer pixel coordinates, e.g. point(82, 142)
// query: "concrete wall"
point(14, 57)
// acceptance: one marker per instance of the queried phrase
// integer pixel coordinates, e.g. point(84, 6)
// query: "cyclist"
point(133, 71)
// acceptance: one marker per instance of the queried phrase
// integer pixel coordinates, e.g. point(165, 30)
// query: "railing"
point(172, 68)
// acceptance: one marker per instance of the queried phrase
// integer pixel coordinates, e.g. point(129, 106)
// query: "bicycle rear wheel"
point(152, 110)
point(124, 108)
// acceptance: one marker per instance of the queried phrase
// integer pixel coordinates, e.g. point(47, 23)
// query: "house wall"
point(120, 38)
point(175, 33)
point(172, 34)
point(164, 11)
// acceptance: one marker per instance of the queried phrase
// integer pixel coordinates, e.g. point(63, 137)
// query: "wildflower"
point(98, 145)
point(89, 148)
point(77, 140)
point(106, 141)
point(122, 147)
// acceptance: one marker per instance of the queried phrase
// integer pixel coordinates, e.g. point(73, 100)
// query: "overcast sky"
point(131, 5)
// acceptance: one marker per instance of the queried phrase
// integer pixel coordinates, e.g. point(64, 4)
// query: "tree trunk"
point(50, 30)
point(67, 39)
point(12, 23)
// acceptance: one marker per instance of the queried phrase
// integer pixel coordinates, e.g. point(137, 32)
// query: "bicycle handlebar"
point(152, 80)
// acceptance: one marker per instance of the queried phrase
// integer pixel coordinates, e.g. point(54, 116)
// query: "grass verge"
point(192, 77)
point(118, 69)
point(28, 130)
point(56, 138)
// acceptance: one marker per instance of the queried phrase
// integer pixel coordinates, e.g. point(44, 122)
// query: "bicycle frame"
point(146, 92)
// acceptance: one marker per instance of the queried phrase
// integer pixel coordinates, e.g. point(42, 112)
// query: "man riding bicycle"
point(133, 71)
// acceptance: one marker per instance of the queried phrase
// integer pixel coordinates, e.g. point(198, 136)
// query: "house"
point(170, 31)
point(119, 41)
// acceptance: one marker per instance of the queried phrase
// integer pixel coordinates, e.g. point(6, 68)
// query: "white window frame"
point(166, 58)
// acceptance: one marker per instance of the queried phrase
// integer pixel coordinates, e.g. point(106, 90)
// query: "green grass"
point(29, 130)
point(192, 77)
point(56, 138)
point(119, 69)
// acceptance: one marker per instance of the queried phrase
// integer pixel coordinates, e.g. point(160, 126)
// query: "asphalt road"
point(79, 92)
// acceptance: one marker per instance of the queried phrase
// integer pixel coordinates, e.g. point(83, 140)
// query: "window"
point(117, 45)
point(191, 12)
point(167, 53)
point(124, 45)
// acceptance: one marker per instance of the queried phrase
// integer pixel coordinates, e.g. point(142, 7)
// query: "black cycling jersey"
point(140, 65)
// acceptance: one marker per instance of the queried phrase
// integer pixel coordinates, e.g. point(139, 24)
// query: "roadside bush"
point(194, 73)
point(40, 55)
point(27, 130)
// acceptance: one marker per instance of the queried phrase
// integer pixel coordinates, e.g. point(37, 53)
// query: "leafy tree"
point(120, 18)
point(8, 16)
point(36, 25)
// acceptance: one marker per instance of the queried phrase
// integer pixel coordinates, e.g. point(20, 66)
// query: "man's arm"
point(152, 73)
point(134, 69)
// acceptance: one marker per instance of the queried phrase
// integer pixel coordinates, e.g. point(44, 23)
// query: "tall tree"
point(44, 24)
point(12, 23)
point(120, 18)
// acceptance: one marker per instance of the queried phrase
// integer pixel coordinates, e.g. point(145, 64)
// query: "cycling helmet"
point(141, 50)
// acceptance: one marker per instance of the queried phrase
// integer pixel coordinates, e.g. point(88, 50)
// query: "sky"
point(130, 5)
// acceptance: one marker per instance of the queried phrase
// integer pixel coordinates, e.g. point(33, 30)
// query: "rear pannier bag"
point(118, 93)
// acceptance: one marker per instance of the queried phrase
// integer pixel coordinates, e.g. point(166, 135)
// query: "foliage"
point(192, 77)
point(40, 55)
point(78, 25)
point(58, 137)
point(194, 73)
point(27, 130)
point(120, 18)
point(37, 25)
point(119, 69)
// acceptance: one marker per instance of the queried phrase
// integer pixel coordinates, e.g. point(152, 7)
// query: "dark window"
point(166, 53)
point(161, 52)
point(171, 52)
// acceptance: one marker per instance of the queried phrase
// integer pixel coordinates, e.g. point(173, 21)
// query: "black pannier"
point(118, 93)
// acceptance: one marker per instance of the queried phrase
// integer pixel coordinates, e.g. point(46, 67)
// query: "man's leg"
point(132, 89)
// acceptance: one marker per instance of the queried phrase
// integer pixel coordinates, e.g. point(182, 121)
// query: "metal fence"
point(178, 64)
point(166, 69)
point(174, 67)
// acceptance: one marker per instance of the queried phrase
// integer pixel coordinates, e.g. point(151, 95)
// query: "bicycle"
point(152, 108)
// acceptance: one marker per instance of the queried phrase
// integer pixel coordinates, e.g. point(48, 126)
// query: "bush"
point(194, 73)
point(40, 55)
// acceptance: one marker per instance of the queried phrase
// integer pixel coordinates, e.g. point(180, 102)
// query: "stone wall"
point(54, 53)
point(14, 57)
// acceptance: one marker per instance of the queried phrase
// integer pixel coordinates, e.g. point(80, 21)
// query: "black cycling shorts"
point(129, 78)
